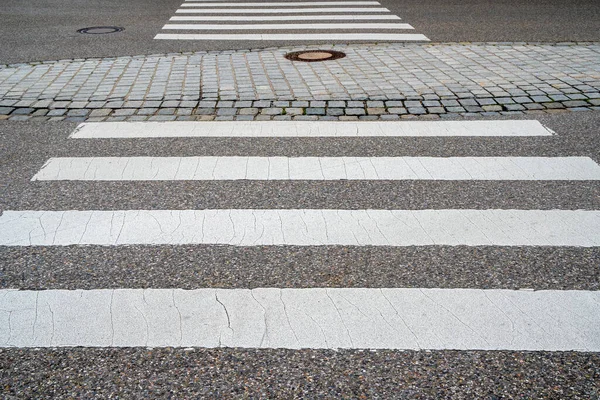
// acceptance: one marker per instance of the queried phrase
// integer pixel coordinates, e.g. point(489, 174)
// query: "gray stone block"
point(315, 110)
point(355, 111)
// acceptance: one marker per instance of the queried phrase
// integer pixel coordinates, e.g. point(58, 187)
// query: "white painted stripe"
point(296, 36)
point(99, 130)
point(282, 10)
point(313, 26)
point(318, 168)
point(222, 1)
point(353, 318)
point(303, 227)
point(248, 18)
point(285, 4)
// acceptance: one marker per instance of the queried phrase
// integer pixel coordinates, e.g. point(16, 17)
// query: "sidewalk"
point(377, 81)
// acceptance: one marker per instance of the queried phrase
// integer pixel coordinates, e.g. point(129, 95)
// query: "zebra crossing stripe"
point(311, 26)
point(305, 36)
point(285, 4)
point(283, 10)
point(506, 128)
point(354, 10)
point(249, 18)
point(357, 318)
point(310, 2)
point(316, 318)
point(248, 227)
point(317, 168)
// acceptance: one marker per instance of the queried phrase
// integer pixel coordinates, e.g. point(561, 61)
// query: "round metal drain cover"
point(101, 30)
point(315, 55)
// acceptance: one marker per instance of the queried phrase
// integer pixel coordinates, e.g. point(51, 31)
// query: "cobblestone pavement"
point(377, 81)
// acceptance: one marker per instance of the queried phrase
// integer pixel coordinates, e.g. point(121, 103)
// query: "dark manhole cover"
point(315, 55)
point(100, 30)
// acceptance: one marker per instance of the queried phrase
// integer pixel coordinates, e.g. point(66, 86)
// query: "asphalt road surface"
point(233, 372)
point(34, 30)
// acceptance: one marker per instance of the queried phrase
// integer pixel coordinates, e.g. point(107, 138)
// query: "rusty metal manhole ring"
point(101, 30)
point(315, 55)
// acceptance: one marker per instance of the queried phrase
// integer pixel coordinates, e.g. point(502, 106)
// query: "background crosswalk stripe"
point(318, 168)
point(285, 4)
point(211, 1)
point(248, 18)
point(511, 128)
point(247, 227)
point(311, 26)
point(291, 36)
point(323, 10)
point(462, 319)
point(282, 10)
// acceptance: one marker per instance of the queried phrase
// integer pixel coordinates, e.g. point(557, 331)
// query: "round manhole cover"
point(315, 55)
point(101, 30)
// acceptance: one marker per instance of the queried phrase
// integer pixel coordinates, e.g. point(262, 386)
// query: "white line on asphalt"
point(404, 37)
point(512, 128)
point(282, 10)
point(285, 4)
point(320, 318)
point(310, 26)
point(247, 227)
point(317, 168)
point(248, 18)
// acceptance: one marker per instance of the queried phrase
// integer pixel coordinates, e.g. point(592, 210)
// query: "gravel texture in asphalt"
point(412, 195)
point(190, 267)
point(236, 373)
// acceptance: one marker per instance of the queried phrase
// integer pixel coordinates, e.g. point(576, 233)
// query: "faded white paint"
point(508, 128)
point(309, 26)
point(243, 227)
point(248, 18)
point(282, 10)
point(435, 319)
point(282, 4)
point(295, 36)
point(318, 168)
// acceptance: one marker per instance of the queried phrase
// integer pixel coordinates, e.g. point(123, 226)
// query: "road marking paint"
point(509, 128)
point(297, 36)
point(313, 26)
point(221, 10)
point(319, 318)
point(282, 10)
point(286, 4)
point(317, 168)
point(248, 18)
point(247, 227)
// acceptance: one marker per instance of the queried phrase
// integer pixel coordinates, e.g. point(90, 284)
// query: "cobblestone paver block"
point(374, 81)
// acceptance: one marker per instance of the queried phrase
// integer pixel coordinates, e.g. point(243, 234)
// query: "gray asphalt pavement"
point(38, 30)
point(181, 373)
point(236, 373)
point(25, 147)
point(46, 30)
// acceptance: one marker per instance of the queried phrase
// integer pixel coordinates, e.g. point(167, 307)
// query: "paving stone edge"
point(297, 48)
point(300, 110)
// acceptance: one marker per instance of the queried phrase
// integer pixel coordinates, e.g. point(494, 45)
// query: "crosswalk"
point(338, 20)
point(380, 317)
